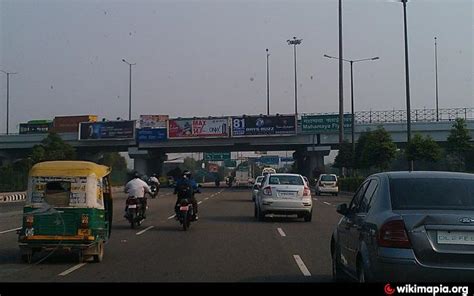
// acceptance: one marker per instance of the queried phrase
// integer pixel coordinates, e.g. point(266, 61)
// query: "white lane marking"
point(171, 217)
point(72, 269)
point(314, 198)
point(301, 265)
point(200, 202)
point(326, 203)
point(9, 230)
point(206, 198)
point(148, 228)
point(282, 233)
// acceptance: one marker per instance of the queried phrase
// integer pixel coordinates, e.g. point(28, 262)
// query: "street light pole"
point(129, 89)
point(295, 42)
point(341, 82)
point(436, 71)
point(407, 80)
point(352, 93)
point(268, 85)
point(8, 96)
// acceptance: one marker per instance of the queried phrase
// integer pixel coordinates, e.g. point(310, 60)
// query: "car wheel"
point(255, 214)
point(260, 215)
point(308, 217)
point(361, 274)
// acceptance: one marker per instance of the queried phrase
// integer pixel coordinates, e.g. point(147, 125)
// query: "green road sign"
point(216, 156)
point(324, 123)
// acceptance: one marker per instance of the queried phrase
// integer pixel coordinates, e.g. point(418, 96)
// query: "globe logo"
point(260, 122)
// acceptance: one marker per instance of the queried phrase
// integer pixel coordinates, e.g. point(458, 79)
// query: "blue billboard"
point(270, 159)
point(152, 135)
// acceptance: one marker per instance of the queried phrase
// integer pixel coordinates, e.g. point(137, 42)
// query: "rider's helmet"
point(154, 175)
point(187, 174)
point(136, 175)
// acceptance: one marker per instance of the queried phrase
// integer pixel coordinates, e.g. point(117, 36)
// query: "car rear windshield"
point(285, 180)
point(328, 178)
point(432, 193)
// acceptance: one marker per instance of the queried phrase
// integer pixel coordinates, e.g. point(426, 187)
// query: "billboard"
point(216, 156)
point(70, 124)
point(107, 130)
point(270, 160)
point(153, 121)
point(324, 123)
point(152, 135)
point(198, 128)
point(263, 125)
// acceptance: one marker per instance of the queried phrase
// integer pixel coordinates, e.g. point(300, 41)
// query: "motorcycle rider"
point(186, 181)
point(136, 188)
point(153, 180)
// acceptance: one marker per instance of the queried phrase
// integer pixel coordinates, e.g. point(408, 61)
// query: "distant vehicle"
point(266, 171)
point(256, 186)
point(327, 183)
point(407, 226)
point(284, 194)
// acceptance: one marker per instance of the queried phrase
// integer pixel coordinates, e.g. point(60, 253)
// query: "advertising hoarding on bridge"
point(317, 124)
point(153, 121)
point(152, 135)
point(216, 127)
point(107, 130)
point(262, 125)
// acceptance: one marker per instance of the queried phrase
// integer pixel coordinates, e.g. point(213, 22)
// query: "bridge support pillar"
point(310, 162)
point(147, 162)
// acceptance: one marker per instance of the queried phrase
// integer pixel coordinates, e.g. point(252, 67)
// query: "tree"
point(345, 157)
point(114, 160)
point(52, 148)
point(375, 149)
point(458, 145)
point(423, 148)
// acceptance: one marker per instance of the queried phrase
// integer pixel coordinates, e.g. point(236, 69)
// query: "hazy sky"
point(202, 58)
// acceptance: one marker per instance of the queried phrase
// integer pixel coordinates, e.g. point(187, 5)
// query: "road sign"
point(324, 123)
point(270, 159)
point(217, 156)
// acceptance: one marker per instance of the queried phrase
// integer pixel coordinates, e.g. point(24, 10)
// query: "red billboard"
point(198, 128)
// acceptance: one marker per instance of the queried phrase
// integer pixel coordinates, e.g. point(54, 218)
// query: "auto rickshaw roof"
point(69, 169)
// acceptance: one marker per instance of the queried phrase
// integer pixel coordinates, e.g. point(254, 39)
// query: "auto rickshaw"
point(68, 206)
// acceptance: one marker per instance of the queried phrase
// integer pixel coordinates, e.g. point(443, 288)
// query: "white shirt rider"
point(137, 188)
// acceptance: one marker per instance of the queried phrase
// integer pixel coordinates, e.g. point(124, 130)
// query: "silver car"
point(407, 226)
point(284, 194)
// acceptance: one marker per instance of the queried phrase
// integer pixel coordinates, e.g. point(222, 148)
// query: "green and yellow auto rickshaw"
point(68, 206)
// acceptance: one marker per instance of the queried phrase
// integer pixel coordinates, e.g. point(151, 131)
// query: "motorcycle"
point(185, 213)
point(135, 211)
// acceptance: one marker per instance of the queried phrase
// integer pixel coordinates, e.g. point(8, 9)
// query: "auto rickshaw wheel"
point(100, 255)
point(80, 256)
point(27, 258)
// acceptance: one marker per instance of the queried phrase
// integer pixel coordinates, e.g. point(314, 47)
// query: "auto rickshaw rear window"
point(58, 193)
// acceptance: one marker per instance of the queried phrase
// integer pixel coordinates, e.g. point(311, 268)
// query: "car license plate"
point(456, 237)
point(132, 206)
point(287, 194)
point(184, 208)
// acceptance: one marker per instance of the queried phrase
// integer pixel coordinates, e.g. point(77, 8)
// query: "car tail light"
point(306, 191)
point(392, 234)
point(29, 221)
point(267, 190)
point(85, 221)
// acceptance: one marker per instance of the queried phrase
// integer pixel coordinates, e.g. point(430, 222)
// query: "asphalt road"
point(227, 244)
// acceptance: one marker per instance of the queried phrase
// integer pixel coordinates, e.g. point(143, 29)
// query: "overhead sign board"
point(216, 156)
point(198, 128)
point(324, 123)
point(271, 159)
point(153, 121)
point(107, 130)
point(151, 135)
point(273, 125)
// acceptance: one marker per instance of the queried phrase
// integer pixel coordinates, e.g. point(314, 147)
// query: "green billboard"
point(216, 156)
point(316, 124)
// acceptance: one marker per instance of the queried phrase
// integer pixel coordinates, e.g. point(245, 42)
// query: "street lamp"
point(407, 79)
point(436, 71)
point(8, 94)
point(268, 85)
point(129, 90)
point(352, 91)
point(295, 42)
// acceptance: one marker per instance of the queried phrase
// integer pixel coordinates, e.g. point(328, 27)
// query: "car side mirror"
point(342, 209)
